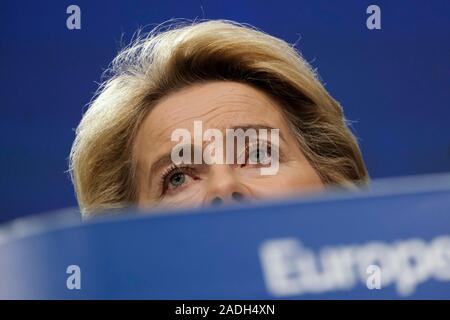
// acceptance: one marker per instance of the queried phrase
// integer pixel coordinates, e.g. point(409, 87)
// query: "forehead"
point(218, 105)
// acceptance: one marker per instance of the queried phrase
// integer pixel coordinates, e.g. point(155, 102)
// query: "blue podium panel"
point(391, 242)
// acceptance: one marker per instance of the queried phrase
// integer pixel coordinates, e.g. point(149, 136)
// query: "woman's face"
point(220, 106)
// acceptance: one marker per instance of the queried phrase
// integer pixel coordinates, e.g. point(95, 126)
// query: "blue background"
point(393, 82)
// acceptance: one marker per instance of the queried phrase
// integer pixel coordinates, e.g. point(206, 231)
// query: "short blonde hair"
point(101, 160)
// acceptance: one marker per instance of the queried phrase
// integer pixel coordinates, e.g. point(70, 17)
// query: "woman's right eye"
point(176, 179)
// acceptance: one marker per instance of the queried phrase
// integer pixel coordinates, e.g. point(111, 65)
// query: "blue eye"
point(259, 155)
point(173, 178)
point(177, 179)
point(256, 155)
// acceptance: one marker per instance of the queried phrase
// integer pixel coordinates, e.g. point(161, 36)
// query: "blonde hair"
point(101, 160)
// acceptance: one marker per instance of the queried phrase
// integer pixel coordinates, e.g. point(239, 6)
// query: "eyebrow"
point(165, 160)
point(258, 127)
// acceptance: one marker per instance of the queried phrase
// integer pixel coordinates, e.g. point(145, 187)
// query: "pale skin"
point(219, 105)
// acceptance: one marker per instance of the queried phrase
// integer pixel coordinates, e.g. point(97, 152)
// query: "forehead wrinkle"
point(221, 122)
point(175, 125)
point(220, 104)
point(234, 103)
point(238, 102)
point(209, 114)
point(261, 96)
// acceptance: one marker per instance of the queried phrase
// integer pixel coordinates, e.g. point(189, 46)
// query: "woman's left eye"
point(259, 155)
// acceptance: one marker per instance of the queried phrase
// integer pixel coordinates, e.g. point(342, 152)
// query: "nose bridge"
point(222, 180)
point(223, 185)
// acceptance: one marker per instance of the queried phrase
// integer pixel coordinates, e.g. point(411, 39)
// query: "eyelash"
point(262, 143)
point(170, 171)
point(185, 169)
